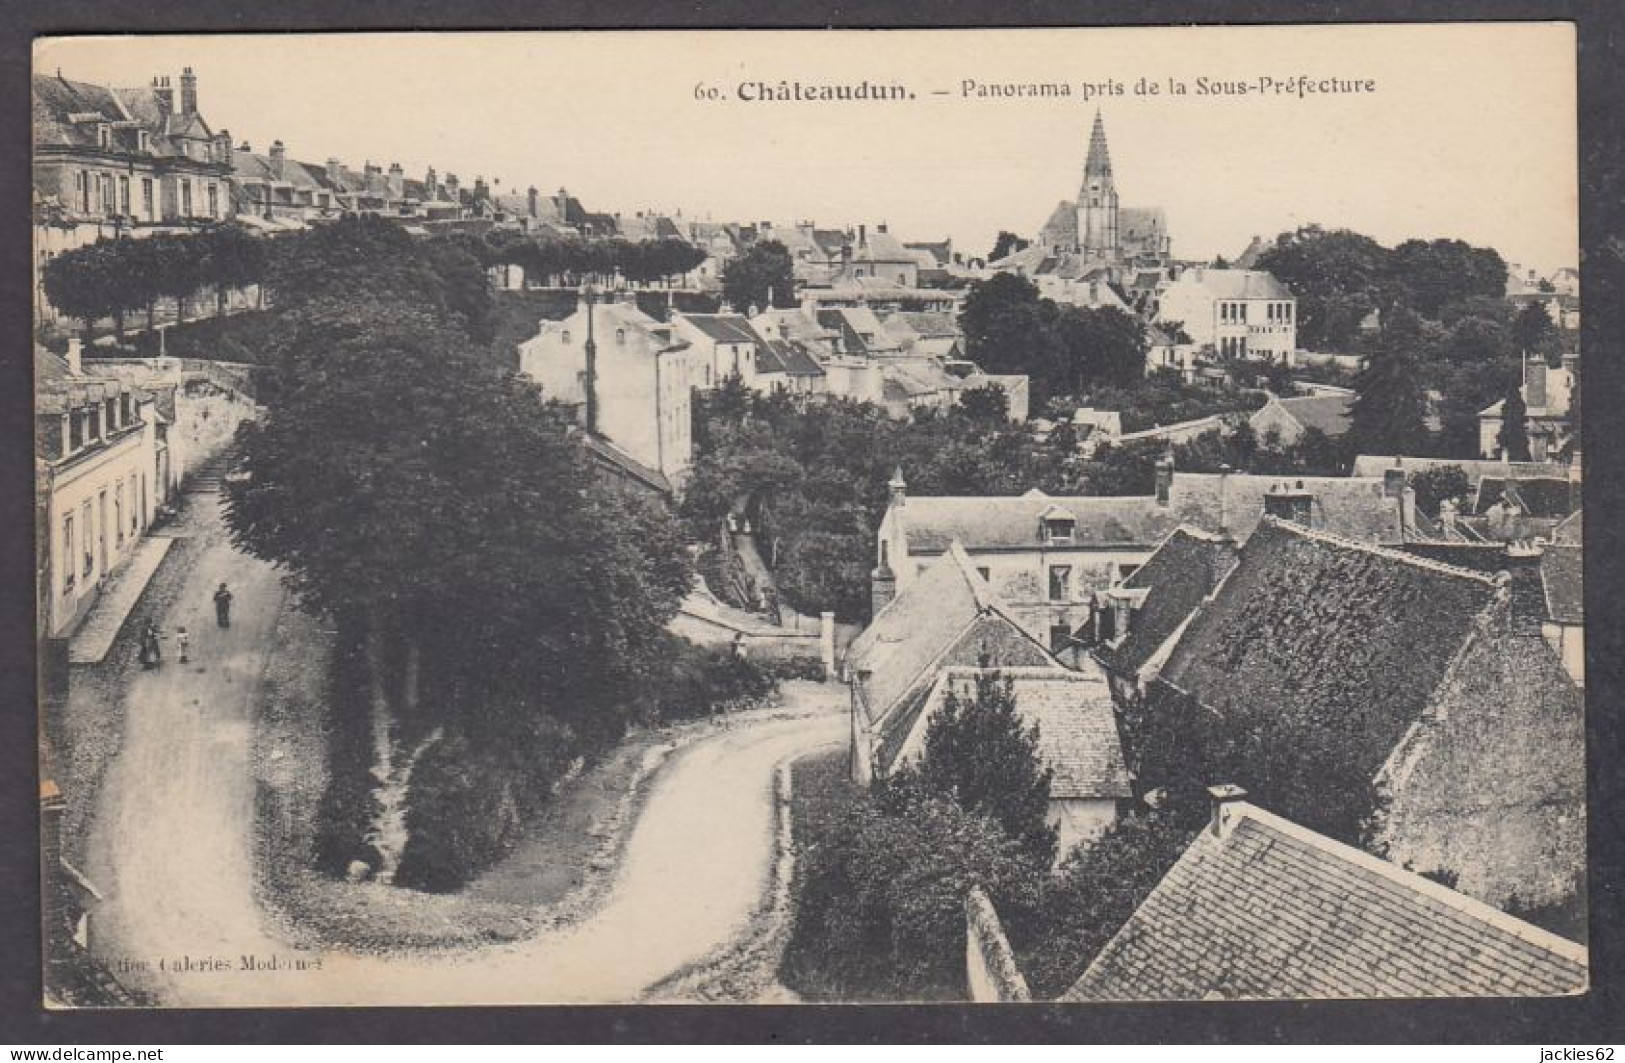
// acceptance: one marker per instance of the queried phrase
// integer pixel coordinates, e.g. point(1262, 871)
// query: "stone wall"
point(991, 974)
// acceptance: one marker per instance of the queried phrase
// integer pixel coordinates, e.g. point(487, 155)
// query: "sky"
point(1469, 130)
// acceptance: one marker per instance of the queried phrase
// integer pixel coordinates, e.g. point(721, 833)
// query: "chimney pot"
point(1165, 480)
point(1224, 800)
point(76, 350)
point(1393, 482)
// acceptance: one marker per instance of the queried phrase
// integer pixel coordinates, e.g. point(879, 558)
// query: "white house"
point(1239, 313)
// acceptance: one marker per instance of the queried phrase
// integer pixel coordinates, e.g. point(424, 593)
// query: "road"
point(171, 846)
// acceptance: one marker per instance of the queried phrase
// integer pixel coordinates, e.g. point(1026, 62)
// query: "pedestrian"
point(222, 606)
point(151, 652)
point(182, 639)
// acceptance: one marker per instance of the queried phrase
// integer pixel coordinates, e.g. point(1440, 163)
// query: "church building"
point(1094, 232)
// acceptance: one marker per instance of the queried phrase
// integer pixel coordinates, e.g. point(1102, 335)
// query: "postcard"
point(809, 516)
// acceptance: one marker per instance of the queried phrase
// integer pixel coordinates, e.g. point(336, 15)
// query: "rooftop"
point(1264, 908)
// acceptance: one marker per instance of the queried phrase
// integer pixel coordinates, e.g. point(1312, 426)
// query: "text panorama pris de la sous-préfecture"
point(1282, 86)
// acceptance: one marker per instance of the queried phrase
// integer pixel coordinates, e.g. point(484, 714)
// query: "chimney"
point(531, 199)
point(397, 181)
point(898, 488)
point(1224, 801)
point(279, 159)
point(882, 588)
point(222, 145)
point(1165, 479)
point(165, 94)
point(431, 182)
point(333, 170)
point(1534, 383)
point(1447, 513)
point(188, 92)
point(1393, 482)
point(880, 228)
point(76, 350)
point(863, 235)
point(454, 189)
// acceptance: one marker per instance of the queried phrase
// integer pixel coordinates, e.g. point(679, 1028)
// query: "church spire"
point(1100, 160)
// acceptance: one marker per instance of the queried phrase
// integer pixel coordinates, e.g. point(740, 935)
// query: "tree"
point(1094, 346)
point(980, 754)
point(1390, 409)
point(1533, 332)
point(1437, 483)
point(763, 276)
point(1097, 889)
point(82, 284)
point(1005, 325)
point(232, 258)
point(880, 899)
point(1006, 244)
point(1338, 277)
point(1513, 437)
point(988, 404)
point(1431, 274)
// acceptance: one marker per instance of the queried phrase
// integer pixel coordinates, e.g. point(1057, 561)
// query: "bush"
point(699, 680)
point(881, 895)
point(348, 805)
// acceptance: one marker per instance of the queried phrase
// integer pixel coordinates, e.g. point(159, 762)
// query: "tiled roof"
point(56, 100)
point(948, 606)
point(1329, 413)
point(1077, 728)
point(248, 167)
point(1268, 909)
point(1560, 576)
point(1328, 634)
point(1185, 569)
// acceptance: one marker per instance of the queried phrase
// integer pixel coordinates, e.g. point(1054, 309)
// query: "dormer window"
point(620, 335)
point(143, 140)
point(1059, 529)
point(565, 336)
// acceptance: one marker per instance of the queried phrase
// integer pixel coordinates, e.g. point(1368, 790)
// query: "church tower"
point(1097, 202)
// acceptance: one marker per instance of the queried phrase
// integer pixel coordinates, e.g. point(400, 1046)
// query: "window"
point(214, 202)
point(985, 573)
point(1059, 529)
point(620, 335)
point(143, 141)
point(84, 540)
point(146, 197)
point(1060, 583)
point(1060, 637)
point(118, 512)
point(67, 552)
point(885, 552)
point(104, 136)
point(565, 336)
point(81, 186)
point(186, 198)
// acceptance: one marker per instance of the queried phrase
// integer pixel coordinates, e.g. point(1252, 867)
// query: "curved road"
point(171, 847)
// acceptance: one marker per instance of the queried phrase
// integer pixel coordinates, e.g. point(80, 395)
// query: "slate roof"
point(1185, 569)
point(56, 99)
point(1077, 728)
point(1230, 504)
point(1269, 909)
point(1561, 570)
point(795, 357)
point(948, 607)
point(1570, 530)
point(1235, 283)
point(248, 167)
point(1329, 413)
point(724, 328)
point(1330, 635)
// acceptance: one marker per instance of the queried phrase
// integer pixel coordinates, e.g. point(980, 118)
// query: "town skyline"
point(1473, 173)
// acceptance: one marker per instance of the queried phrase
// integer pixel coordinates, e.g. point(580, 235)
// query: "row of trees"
point(1340, 277)
point(499, 609)
point(114, 278)
point(1064, 350)
point(571, 260)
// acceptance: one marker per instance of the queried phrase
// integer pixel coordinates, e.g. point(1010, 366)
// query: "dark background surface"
point(1591, 1019)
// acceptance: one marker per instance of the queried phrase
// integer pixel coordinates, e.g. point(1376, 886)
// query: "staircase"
point(209, 476)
